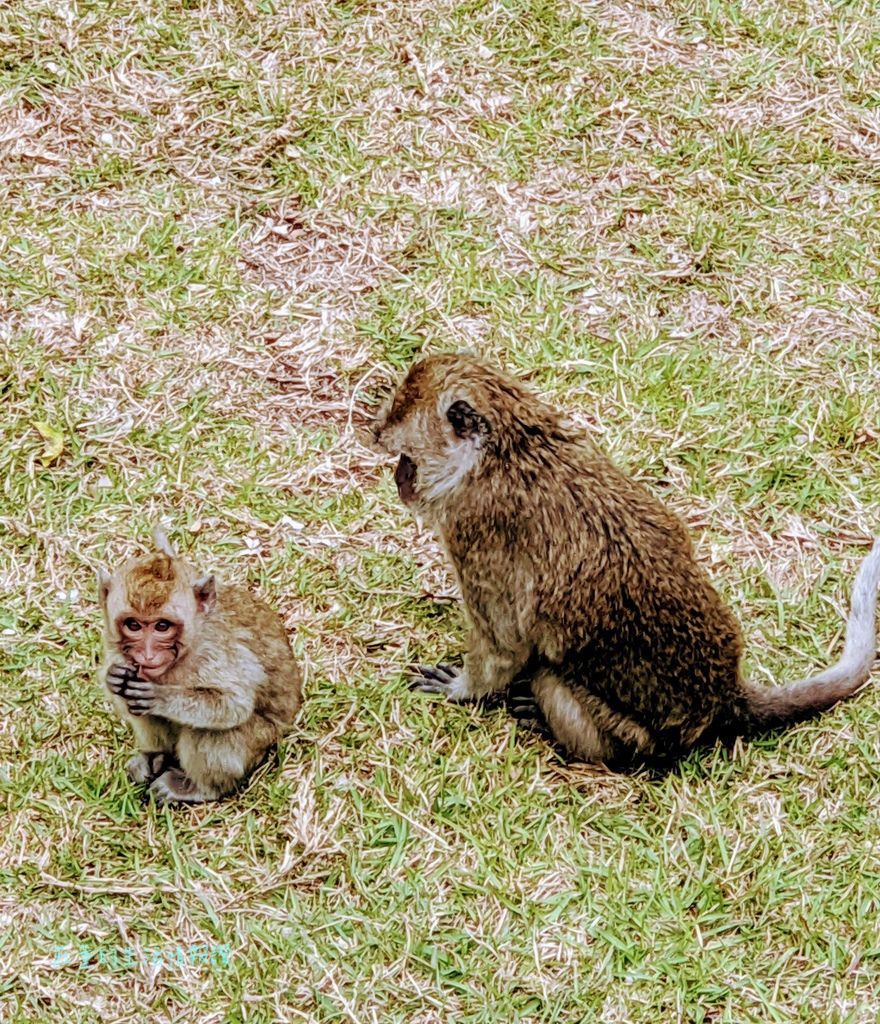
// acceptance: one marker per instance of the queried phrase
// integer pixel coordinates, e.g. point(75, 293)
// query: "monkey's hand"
point(142, 697)
point(452, 682)
point(119, 677)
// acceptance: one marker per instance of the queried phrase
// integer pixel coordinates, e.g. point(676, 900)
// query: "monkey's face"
point(150, 643)
point(152, 610)
point(434, 430)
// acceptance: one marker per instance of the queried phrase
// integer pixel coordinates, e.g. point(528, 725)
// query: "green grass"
point(225, 230)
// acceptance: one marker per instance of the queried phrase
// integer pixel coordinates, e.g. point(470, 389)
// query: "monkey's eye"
point(132, 625)
point(163, 625)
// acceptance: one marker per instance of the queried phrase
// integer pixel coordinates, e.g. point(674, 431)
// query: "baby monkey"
point(574, 575)
point(203, 674)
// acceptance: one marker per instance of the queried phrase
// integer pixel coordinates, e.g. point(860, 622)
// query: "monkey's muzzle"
point(405, 478)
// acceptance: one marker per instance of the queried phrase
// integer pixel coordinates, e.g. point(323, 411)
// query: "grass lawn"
point(225, 230)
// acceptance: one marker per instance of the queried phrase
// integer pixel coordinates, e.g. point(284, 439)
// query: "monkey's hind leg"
point(156, 741)
point(587, 727)
point(213, 762)
point(572, 723)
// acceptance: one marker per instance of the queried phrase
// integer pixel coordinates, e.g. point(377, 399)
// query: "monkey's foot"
point(524, 710)
point(147, 764)
point(452, 682)
point(175, 787)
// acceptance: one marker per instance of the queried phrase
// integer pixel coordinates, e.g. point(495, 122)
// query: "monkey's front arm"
point(200, 705)
point(487, 669)
point(194, 707)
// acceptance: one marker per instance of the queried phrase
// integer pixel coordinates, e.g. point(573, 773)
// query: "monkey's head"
point(152, 608)
point(452, 416)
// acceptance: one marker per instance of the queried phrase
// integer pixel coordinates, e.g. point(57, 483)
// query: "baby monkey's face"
point(433, 429)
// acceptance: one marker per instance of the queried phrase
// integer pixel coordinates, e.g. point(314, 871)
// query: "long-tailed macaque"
point(202, 673)
point(573, 574)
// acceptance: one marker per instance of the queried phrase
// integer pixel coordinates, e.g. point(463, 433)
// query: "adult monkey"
point(203, 674)
point(574, 574)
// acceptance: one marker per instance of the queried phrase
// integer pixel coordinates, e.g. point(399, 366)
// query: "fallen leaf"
point(54, 442)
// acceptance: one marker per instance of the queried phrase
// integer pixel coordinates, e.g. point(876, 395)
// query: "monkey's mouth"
point(405, 478)
point(154, 673)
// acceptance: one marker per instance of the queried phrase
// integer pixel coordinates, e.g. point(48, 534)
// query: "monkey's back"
point(556, 544)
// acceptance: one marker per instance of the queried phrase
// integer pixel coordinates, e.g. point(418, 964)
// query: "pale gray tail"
point(781, 705)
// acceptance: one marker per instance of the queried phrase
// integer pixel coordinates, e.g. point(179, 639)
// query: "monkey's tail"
point(782, 705)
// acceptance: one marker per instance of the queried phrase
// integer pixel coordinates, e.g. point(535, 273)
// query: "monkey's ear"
point(163, 544)
point(466, 421)
point(104, 581)
point(206, 593)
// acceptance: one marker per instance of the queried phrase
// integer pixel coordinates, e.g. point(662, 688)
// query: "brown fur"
point(232, 692)
point(572, 571)
point(150, 582)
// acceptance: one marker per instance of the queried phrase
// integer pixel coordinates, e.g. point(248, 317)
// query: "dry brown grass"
point(226, 228)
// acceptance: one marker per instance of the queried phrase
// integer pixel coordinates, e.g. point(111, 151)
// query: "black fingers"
point(442, 673)
point(141, 687)
point(433, 678)
point(525, 712)
point(524, 709)
point(119, 677)
point(523, 705)
point(138, 694)
point(140, 697)
point(122, 671)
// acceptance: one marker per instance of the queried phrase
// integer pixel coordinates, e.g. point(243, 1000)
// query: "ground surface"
point(225, 228)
